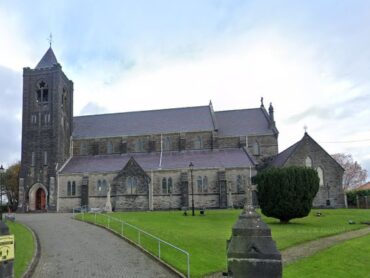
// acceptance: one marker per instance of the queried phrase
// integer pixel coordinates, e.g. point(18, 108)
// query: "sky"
point(311, 59)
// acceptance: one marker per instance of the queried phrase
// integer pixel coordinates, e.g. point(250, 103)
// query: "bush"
point(287, 193)
point(351, 196)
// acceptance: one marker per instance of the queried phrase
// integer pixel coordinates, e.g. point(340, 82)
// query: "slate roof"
point(228, 158)
point(175, 120)
point(243, 122)
point(48, 60)
point(189, 119)
point(280, 159)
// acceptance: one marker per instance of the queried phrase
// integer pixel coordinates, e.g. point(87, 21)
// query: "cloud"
point(309, 58)
point(92, 108)
point(10, 114)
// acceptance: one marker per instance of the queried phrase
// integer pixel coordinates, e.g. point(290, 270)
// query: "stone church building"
point(151, 160)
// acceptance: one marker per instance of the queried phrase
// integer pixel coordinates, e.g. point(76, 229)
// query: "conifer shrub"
point(287, 193)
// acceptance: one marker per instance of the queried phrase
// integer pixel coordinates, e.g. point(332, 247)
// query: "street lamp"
point(191, 166)
point(2, 171)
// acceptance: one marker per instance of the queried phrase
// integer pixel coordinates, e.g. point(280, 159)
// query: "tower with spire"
point(46, 132)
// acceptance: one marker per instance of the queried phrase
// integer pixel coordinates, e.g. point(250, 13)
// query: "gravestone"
point(251, 251)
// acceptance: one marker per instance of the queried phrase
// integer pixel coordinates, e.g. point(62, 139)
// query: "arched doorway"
point(40, 199)
point(37, 196)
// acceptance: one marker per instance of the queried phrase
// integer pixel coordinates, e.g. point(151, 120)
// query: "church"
point(149, 160)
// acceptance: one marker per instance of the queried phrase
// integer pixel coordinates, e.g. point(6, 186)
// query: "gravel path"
point(73, 249)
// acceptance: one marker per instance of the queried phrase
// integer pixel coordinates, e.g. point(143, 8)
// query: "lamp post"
point(2, 171)
point(191, 166)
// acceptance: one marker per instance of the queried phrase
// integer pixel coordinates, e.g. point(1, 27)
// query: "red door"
point(40, 199)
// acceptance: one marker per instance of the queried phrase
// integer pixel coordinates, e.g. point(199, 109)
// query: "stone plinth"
point(251, 251)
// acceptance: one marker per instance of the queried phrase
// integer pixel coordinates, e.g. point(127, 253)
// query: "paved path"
point(73, 249)
point(309, 248)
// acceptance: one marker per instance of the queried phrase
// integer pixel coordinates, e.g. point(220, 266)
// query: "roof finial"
point(50, 39)
point(305, 129)
point(262, 102)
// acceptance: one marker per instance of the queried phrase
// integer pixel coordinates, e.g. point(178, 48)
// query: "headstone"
point(251, 251)
point(108, 204)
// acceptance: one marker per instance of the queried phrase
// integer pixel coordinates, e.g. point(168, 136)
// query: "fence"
point(363, 202)
point(131, 233)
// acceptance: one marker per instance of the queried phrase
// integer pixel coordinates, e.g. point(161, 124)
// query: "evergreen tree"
point(287, 193)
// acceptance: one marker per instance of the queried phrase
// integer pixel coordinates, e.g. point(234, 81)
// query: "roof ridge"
point(241, 109)
point(143, 111)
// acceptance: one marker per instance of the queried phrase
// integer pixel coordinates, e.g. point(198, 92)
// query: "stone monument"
point(251, 251)
point(108, 204)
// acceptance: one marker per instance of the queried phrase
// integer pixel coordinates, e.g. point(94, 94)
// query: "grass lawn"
point(205, 237)
point(351, 260)
point(24, 247)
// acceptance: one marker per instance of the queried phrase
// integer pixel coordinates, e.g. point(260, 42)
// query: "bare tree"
point(354, 175)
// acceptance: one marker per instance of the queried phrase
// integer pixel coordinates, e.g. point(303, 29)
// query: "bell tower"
point(47, 117)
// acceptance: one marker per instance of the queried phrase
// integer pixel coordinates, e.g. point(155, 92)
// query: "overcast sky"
point(311, 59)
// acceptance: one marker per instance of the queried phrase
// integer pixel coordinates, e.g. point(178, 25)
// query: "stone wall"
point(333, 173)
point(122, 200)
point(268, 145)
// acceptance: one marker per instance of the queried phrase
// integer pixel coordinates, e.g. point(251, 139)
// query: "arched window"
point(33, 159)
point(42, 93)
point(205, 184)
point(320, 173)
point(45, 158)
point(256, 148)
point(308, 162)
point(109, 147)
point(164, 186)
point(167, 143)
point(69, 188)
point(169, 185)
point(99, 185)
point(73, 188)
point(83, 148)
point(129, 184)
point(200, 184)
point(104, 185)
point(198, 143)
point(64, 99)
point(240, 184)
point(132, 183)
point(139, 146)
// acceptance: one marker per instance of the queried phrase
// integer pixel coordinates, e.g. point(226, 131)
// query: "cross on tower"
point(50, 39)
point(305, 128)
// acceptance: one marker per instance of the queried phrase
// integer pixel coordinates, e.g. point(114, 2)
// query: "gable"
point(309, 147)
point(133, 169)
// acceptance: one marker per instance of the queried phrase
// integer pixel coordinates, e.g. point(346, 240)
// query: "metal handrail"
point(139, 235)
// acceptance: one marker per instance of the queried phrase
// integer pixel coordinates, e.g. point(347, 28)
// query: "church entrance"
point(38, 195)
point(40, 199)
